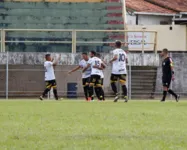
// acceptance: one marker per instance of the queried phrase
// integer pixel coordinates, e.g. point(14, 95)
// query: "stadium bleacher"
point(59, 14)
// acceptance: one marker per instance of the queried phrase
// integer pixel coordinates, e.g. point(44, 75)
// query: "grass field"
point(80, 125)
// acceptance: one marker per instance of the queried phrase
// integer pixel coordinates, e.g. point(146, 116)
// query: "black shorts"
point(115, 77)
point(51, 84)
point(95, 79)
point(85, 81)
point(166, 82)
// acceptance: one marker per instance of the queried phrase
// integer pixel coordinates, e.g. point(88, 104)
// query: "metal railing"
point(142, 40)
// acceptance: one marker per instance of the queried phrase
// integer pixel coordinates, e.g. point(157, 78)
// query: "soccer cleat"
point(92, 98)
point(89, 99)
point(162, 100)
point(60, 99)
point(41, 98)
point(177, 98)
point(125, 99)
point(116, 98)
point(101, 98)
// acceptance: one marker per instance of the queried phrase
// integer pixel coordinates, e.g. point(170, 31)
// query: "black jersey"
point(166, 67)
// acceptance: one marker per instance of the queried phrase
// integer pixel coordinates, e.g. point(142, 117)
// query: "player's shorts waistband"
point(50, 80)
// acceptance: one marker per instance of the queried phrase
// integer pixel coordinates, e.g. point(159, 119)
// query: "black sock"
point(97, 92)
point(101, 93)
point(164, 95)
point(91, 91)
point(172, 93)
point(124, 88)
point(45, 92)
point(114, 88)
point(86, 90)
point(55, 93)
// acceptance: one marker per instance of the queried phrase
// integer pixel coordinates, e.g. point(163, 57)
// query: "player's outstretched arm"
point(75, 69)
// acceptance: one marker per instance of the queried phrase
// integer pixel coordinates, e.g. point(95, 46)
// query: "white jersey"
point(49, 71)
point(83, 63)
point(102, 75)
point(95, 61)
point(119, 65)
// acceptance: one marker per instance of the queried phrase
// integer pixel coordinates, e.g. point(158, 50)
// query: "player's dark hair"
point(47, 55)
point(165, 50)
point(93, 52)
point(118, 44)
point(84, 53)
point(98, 55)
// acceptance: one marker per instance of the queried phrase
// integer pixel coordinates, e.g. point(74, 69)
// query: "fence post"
point(143, 42)
point(129, 77)
point(155, 43)
point(74, 41)
point(171, 86)
point(1, 40)
point(7, 75)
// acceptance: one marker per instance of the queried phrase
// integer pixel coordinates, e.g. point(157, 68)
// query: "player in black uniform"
point(168, 75)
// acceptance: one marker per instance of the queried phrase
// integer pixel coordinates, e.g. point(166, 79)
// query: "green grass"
point(79, 125)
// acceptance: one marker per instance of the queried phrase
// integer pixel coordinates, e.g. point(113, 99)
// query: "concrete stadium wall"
point(28, 80)
point(26, 72)
point(34, 58)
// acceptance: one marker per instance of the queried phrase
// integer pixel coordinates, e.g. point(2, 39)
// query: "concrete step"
point(139, 90)
point(143, 73)
point(145, 85)
point(142, 82)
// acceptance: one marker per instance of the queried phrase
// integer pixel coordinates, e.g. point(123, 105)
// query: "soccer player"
point(85, 75)
point(168, 75)
point(50, 76)
point(96, 65)
point(119, 70)
point(102, 77)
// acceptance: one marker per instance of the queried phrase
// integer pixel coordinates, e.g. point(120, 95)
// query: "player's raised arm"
point(56, 61)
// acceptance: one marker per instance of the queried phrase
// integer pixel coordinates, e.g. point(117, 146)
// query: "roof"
point(157, 6)
point(176, 5)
